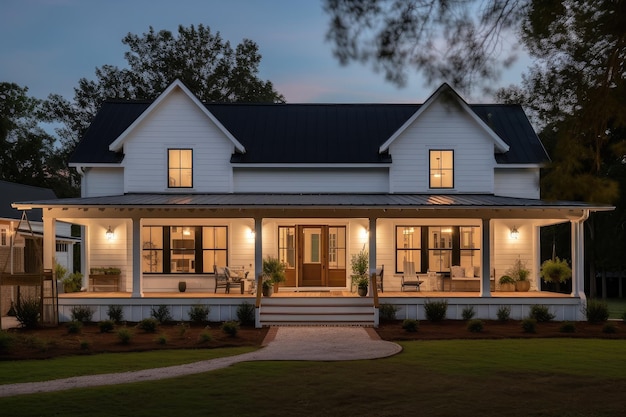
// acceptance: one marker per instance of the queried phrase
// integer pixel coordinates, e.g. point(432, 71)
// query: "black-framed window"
point(184, 249)
point(440, 248)
point(3, 237)
point(337, 247)
point(180, 168)
point(441, 170)
point(287, 246)
point(408, 247)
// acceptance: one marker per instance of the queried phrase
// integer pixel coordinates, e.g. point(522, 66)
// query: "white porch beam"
point(137, 282)
point(485, 286)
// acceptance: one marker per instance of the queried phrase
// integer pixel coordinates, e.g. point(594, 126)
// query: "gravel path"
point(282, 343)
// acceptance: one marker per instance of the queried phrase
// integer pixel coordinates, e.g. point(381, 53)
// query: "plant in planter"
point(182, 286)
point(520, 275)
point(507, 283)
point(555, 270)
point(273, 274)
point(360, 278)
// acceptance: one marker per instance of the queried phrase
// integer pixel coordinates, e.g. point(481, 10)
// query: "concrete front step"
point(318, 311)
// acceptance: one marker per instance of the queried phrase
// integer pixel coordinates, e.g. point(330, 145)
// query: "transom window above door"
point(441, 169)
point(180, 168)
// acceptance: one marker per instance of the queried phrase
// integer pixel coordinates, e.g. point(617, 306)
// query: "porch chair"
point(379, 277)
point(409, 277)
point(221, 279)
point(236, 278)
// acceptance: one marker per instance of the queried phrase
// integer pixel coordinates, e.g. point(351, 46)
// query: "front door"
point(321, 256)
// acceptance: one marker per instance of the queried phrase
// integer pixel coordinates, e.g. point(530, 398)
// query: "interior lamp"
point(514, 233)
point(109, 234)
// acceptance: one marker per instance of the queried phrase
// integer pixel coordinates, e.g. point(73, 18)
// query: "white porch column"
point(137, 283)
point(485, 286)
point(49, 241)
point(258, 246)
point(372, 249)
point(578, 257)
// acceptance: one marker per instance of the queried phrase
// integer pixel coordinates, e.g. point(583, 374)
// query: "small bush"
point(624, 316)
point(182, 329)
point(6, 340)
point(198, 313)
point(504, 313)
point(161, 313)
point(609, 328)
point(468, 313)
point(540, 313)
point(567, 327)
point(529, 325)
point(245, 314)
point(27, 312)
point(387, 311)
point(148, 325)
point(124, 335)
point(106, 326)
point(162, 339)
point(74, 326)
point(85, 345)
point(230, 328)
point(475, 326)
point(596, 311)
point(410, 325)
point(436, 310)
point(73, 282)
point(115, 313)
point(205, 337)
point(82, 313)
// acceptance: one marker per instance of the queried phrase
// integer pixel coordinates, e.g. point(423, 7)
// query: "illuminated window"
point(180, 168)
point(408, 247)
point(441, 169)
point(3, 237)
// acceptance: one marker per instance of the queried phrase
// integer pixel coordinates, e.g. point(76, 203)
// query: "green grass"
point(617, 307)
point(525, 377)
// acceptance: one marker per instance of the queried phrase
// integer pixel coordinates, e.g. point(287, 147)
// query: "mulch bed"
point(50, 342)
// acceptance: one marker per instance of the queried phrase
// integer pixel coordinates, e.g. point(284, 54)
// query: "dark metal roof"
point(10, 192)
point(311, 133)
point(252, 200)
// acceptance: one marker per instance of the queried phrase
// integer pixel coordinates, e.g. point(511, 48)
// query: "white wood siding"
point(177, 123)
point(517, 182)
point(101, 181)
point(313, 180)
point(443, 126)
point(506, 250)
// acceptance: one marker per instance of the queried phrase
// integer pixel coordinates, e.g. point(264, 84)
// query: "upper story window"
point(180, 168)
point(441, 169)
point(3, 237)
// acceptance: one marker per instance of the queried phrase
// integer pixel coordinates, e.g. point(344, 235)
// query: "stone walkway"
point(281, 344)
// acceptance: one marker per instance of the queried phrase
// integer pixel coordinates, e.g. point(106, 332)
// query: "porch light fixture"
point(251, 234)
point(514, 233)
point(109, 234)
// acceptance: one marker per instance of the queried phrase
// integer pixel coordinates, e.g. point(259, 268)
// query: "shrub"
point(504, 313)
point(6, 340)
point(205, 337)
point(161, 313)
point(73, 282)
point(567, 327)
point(529, 325)
point(245, 314)
point(85, 345)
point(475, 326)
point(540, 313)
point(27, 312)
point(468, 313)
point(609, 328)
point(230, 328)
point(125, 335)
point(182, 329)
point(106, 326)
point(82, 313)
point(436, 310)
point(596, 311)
point(410, 325)
point(74, 326)
point(198, 313)
point(624, 316)
point(115, 313)
point(387, 311)
point(162, 339)
point(148, 325)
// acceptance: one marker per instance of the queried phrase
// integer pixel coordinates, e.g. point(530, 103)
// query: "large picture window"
point(408, 247)
point(184, 249)
point(441, 169)
point(180, 168)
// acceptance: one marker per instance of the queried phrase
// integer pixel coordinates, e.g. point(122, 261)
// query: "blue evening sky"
point(48, 45)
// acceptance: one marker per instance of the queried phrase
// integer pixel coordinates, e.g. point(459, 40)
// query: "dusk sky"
point(48, 45)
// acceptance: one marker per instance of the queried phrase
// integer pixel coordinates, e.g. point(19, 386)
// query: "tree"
point(203, 61)
point(460, 42)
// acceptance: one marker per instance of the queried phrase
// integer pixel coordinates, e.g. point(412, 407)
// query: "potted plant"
point(555, 270)
point(360, 278)
point(182, 286)
point(507, 283)
point(273, 274)
point(520, 274)
point(104, 277)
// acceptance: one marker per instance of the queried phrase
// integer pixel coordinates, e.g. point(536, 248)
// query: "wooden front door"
point(321, 256)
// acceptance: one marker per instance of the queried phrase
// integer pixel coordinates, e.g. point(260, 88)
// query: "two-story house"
point(175, 189)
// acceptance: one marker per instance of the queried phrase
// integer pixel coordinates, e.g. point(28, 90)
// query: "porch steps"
point(321, 311)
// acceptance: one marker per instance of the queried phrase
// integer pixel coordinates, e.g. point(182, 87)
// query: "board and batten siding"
point(517, 182)
point(311, 180)
point(100, 181)
point(177, 123)
point(445, 127)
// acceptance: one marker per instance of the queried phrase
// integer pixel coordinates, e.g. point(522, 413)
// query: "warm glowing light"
point(514, 233)
point(109, 234)
point(250, 234)
point(186, 231)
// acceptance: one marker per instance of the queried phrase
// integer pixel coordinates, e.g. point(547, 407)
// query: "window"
point(441, 169)
point(440, 248)
point(470, 250)
point(287, 246)
point(337, 247)
point(180, 168)
point(3, 237)
point(183, 249)
point(61, 247)
point(408, 247)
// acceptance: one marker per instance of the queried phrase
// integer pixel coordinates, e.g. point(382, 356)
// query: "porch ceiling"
point(325, 205)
